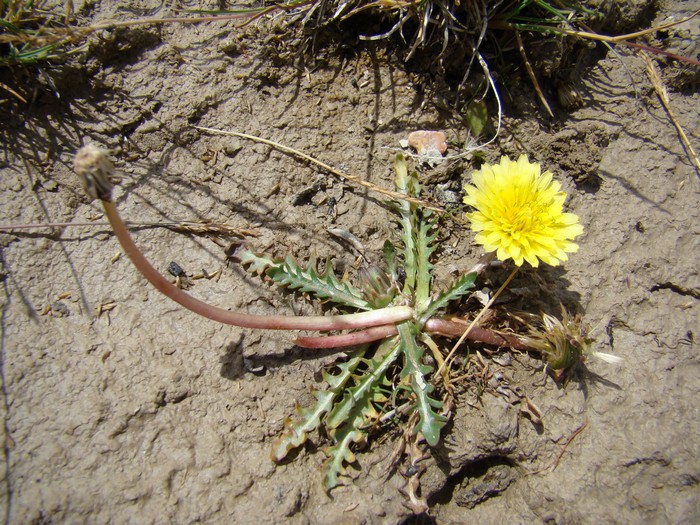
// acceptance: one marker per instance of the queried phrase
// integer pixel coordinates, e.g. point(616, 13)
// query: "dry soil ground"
point(147, 414)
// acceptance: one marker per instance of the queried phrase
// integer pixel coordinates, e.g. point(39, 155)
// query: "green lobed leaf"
point(405, 185)
point(337, 381)
point(288, 273)
point(430, 423)
point(458, 289)
point(360, 417)
point(309, 419)
point(296, 432)
point(426, 235)
point(256, 264)
point(373, 376)
point(324, 286)
point(340, 454)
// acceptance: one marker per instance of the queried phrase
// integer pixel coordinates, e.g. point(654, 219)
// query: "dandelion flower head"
point(518, 213)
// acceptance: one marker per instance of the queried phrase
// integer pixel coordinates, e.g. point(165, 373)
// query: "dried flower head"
point(519, 213)
point(95, 169)
point(564, 343)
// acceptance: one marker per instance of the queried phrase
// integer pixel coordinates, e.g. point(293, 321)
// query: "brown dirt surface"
point(119, 406)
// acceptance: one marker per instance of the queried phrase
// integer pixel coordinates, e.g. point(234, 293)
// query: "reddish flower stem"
point(270, 322)
point(448, 327)
point(454, 327)
point(354, 338)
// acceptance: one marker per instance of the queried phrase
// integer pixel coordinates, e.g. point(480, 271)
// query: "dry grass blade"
point(344, 176)
point(531, 74)
point(13, 92)
point(206, 227)
point(553, 465)
point(588, 35)
point(655, 78)
point(201, 227)
point(30, 35)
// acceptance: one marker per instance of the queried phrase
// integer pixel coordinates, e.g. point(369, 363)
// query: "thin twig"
point(531, 74)
point(55, 37)
point(198, 227)
point(553, 465)
point(254, 12)
point(655, 78)
point(48, 225)
point(589, 35)
point(349, 178)
point(664, 53)
point(13, 92)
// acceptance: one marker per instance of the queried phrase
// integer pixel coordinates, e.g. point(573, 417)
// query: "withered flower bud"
point(93, 166)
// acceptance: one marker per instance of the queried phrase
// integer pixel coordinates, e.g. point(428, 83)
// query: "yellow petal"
point(518, 213)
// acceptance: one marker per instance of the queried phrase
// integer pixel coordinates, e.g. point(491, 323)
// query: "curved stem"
point(455, 327)
point(445, 326)
point(355, 338)
point(383, 316)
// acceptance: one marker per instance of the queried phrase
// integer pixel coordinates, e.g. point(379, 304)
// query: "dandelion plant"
point(394, 372)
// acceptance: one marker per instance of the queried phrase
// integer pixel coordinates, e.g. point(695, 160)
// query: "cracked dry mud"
point(145, 413)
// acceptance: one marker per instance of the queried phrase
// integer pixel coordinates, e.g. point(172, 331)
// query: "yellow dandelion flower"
point(518, 213)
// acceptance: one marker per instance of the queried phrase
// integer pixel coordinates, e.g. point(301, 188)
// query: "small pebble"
point(60, 309)
point(428, 143)
point(176, 270)
point(50, 185)
point(504, 359)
